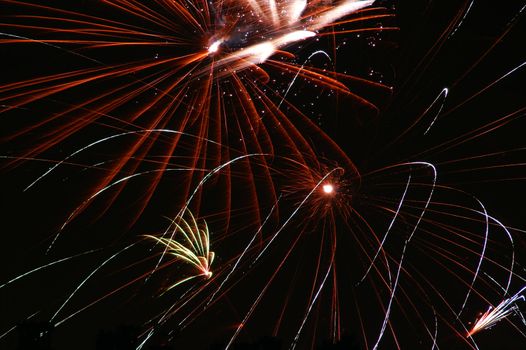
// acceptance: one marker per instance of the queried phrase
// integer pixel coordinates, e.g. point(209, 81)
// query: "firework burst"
point(189, 242)
point(213, 113)
point(498, 313)
point(199, 68)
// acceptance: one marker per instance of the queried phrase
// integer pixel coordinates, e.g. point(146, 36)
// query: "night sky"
point(413, 111)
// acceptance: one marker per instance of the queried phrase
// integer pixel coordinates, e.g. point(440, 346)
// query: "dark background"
point(419, 60)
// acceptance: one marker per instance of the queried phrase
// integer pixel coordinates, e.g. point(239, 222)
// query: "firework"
point(385, 227)
point(190, 243)
point(198, 68)
point(498, 313)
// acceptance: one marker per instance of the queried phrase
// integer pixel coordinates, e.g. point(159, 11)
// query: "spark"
point(322, 284)
point(459, 24)
point(500, 312)
point(189, 242)
point(91, 274)
point(256, 234)
point(47, 265)
point(299, 71)
point(406, 243)
point(443, 95)
point(395, 216)
point(15, 326)
point(105, 139)
point(482, 255)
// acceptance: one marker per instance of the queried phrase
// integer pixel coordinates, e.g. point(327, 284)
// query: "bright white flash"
point(215, 46)
point(259, 53)
point(339, 11)
point(296, 9)
point(285, 17)
point(328, 188)
point(293, 37)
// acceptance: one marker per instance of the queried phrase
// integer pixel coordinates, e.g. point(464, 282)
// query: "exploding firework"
point(243, 116)
point(189, 243)
point(204, 69)
point(498, 313)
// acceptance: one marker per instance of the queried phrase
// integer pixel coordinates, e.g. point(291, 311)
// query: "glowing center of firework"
point(215, 46)
point(328, 188)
